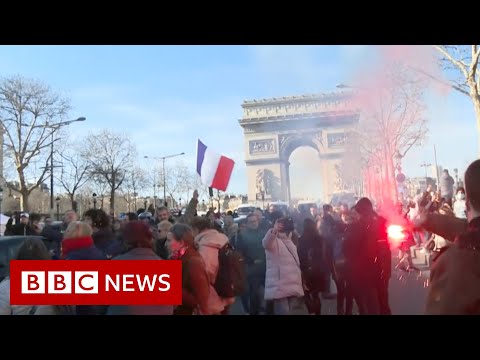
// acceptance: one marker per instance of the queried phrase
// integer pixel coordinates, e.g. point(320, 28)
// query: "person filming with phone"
point(283, 280)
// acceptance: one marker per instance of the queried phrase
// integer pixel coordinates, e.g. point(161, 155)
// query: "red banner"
point(92, 282)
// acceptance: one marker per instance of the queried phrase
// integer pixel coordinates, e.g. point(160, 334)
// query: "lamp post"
point(456, 176)
point(57, 200)
point(203, 205)
point(1, 199)
point(94, 195)
point(425, 166)
point(56, 126)
point(345, 86)
point(163, 172)
point(180, 203)
point(135, 195)
point(145, 203)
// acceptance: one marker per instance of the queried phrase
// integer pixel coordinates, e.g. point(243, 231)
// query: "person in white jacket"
point(460, 205)
point(283, 280)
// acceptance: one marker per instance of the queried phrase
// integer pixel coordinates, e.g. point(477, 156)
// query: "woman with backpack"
point(209, 242)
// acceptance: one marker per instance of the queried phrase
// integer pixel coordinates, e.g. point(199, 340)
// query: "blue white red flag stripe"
point(214, 169)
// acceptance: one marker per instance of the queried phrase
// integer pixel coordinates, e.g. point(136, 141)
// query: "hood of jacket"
point(211, 238)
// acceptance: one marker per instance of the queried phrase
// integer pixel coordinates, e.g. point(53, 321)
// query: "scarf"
point(73, 244)
point(178, 254)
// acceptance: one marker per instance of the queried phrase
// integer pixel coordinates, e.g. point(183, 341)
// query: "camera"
point(287, 224)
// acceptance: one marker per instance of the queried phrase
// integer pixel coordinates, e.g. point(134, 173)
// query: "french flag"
point(214, 169)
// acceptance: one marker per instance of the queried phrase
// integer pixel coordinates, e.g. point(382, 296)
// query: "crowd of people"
point(290, 259)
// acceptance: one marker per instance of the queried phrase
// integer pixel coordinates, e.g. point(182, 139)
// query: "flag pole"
point(436, 166)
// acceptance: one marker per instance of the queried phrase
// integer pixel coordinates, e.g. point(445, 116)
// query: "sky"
point(166, 97)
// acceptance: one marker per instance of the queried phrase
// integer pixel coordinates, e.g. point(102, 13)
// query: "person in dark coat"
point(103, 235)
point(361, 252)
point(139, 239)
point(312, 264)
point(24, 226)
point(455, 272)
point(78, 245)
point(195, 282)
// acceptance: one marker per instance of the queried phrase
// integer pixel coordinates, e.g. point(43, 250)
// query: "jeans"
point(344, 297)
point(252, 299)
point(283, 306)
point(367, 299)
point(382, 289)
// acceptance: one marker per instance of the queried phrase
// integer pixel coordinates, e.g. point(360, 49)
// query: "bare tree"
point(75, 171)
point(109, 155)
point(188, 183)
point(350, 168)
point(174, 178)
point(135, 179)
point(461, 61)
point(29, 114)
point(199, 186)
point(39, 201)
point(392, 121)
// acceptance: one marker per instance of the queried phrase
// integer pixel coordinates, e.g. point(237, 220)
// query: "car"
point(9, 246)
point(280, 206)
point(349, 199)
point(243, 210)
point(305, 205)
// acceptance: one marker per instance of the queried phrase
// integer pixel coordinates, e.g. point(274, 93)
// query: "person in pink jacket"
point(208, 242)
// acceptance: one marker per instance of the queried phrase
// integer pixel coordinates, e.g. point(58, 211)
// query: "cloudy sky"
point(165, 97)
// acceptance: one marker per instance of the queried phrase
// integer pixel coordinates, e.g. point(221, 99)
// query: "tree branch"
point(446, 83)
point(460, 65)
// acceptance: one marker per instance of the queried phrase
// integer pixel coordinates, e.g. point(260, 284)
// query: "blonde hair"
point(77, 229)
point(165, 225)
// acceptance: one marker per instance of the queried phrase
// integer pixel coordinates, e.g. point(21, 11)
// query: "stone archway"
point(274, 128)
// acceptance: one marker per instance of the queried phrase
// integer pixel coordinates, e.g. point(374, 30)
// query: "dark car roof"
point(8, 246)
point(18, 238)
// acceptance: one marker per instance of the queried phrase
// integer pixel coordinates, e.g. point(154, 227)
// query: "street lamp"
point(94, 195)
point(163, 171)
point(203, 205)
point(1, 198)
point(425, 165)
point(456, 176)
point(145, 203)
point(56, 126)
point(57, 200)
point(345, 86)
point(135, 195)
point(180, 202)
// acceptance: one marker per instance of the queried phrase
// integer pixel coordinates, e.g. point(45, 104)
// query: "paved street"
point(407, 291)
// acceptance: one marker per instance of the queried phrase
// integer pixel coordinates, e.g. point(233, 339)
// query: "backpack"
point(231, 278)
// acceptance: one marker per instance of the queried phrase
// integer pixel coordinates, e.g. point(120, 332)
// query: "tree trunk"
point(391, 171)
point(72, 201)
point(112, 195)
point(24, 194)
point(476, 107)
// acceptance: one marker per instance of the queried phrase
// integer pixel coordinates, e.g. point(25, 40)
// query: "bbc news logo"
point(89, 282)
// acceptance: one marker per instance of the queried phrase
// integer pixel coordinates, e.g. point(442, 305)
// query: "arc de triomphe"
point(274, 128)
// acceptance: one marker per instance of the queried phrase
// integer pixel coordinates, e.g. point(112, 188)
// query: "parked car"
point(9, 246)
